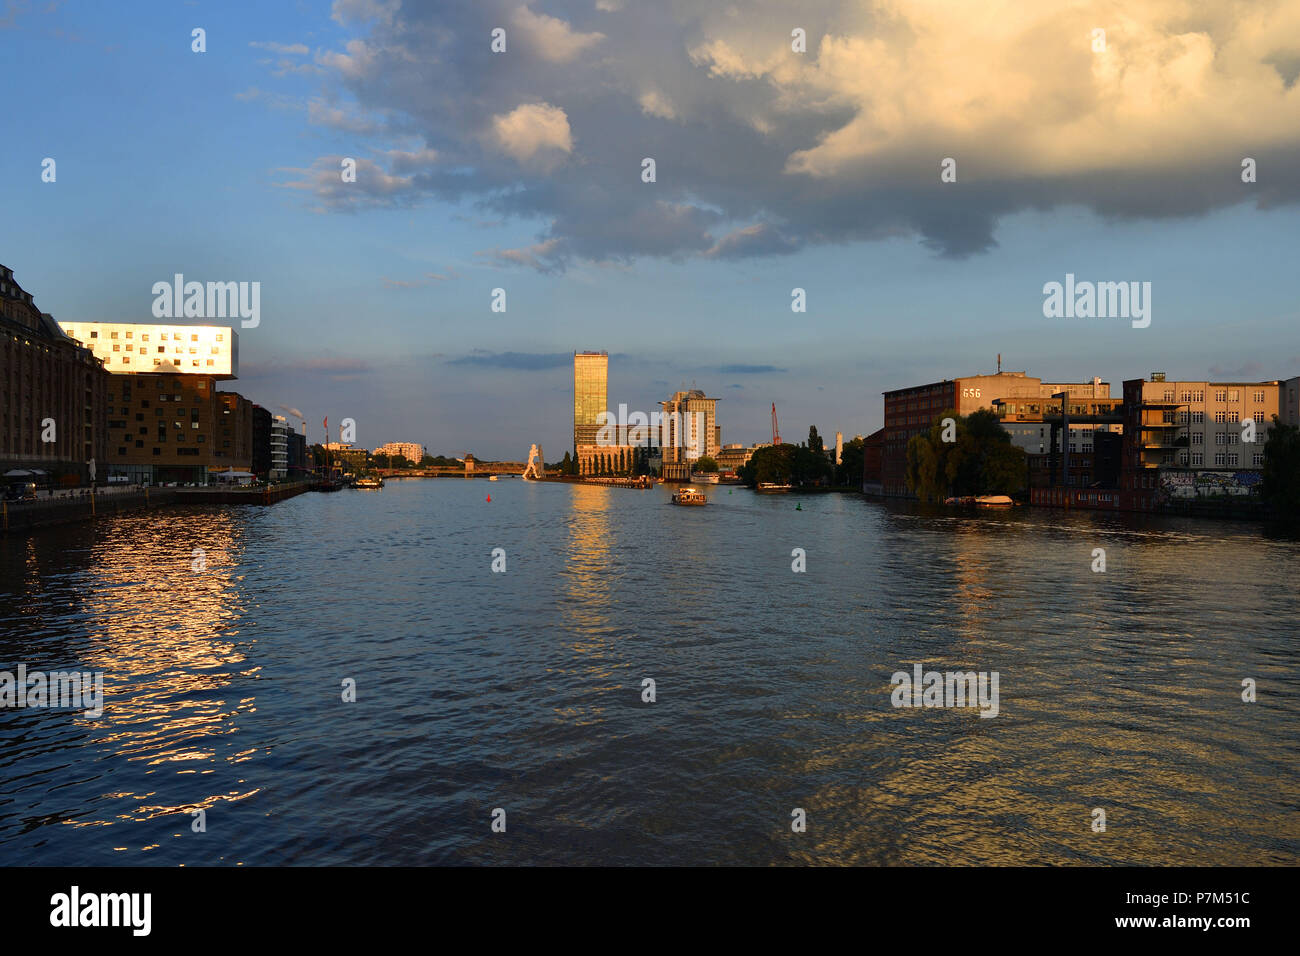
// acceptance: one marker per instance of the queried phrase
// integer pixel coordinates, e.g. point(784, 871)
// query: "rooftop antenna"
point(999, 363)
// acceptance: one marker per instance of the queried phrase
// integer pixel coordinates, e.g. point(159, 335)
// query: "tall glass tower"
point(590, 395)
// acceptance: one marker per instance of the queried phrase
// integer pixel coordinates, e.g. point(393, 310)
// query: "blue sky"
point(523, 172)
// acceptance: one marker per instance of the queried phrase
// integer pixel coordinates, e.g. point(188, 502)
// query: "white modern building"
point(280, 429)
point(411, 451)
point(128, 347)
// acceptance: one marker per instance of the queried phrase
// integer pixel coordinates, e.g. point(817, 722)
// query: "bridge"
point(473, 468)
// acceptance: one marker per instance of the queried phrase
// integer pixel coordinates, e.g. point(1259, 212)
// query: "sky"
point(774, 169)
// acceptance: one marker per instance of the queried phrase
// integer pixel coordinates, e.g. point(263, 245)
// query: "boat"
point(772, 488)
point(689, 496)
point(707, 479)
point(369, 483)
point(982, 501)
point(492, 477)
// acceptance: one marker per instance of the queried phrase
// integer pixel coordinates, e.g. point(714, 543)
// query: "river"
point(226, 637)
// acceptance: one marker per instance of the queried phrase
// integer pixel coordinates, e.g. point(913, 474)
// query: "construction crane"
point(776, 431)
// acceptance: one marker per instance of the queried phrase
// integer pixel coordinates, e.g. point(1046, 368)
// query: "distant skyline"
point(774, 170)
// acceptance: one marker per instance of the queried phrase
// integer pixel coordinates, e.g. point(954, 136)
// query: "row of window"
point(1220, 395)
point(144, 336)
point(1230, 459)
point(172, 363)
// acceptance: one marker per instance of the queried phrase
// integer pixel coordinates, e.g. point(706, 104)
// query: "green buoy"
point(798, 507)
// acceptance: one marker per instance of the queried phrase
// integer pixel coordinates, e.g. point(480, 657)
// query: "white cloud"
point(534, 133)
point(654, 103)
point(551, 38)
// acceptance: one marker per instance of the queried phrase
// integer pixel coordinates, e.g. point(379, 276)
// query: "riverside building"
point(166, 421)
point(590, 396)
point(53, 395)
point(911, 411)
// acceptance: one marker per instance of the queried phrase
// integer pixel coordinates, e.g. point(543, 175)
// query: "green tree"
point(979, 461)
point(771, 463)
point(1281, 487)
point(705, 463)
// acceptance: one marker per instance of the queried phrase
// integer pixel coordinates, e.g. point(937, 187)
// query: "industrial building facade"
point(911, 411)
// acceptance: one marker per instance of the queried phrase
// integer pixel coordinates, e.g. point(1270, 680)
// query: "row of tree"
point(804, 464)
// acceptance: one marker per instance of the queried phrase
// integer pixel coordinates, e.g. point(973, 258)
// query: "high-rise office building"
point(692, 431)
point(590, 395)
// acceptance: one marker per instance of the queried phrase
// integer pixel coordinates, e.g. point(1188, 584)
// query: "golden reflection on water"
point(589, 599)
point(155, 624)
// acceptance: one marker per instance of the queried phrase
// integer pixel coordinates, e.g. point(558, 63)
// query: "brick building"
point(50, 387)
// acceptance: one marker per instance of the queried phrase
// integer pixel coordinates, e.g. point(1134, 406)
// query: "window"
point(1220, 438)
point(1197, 458)
point(1259, 398)
point(219, 336)
point(1259, 460)
point(144, 337)
point(156, 451)
point(128, 335)
point(1220, 395)
point(1198, 438)
point(1234, 395)
point(121, 451)
point(194, 338)
point(1198, 418)
point(1182, 459)
point(1218, 458)
point(1220, 416)
point(116, 348)
point(162, 348)
point(139, 444)
point(112, 335)
point(1232, 459)
point(164, 336)
point(126, 360)
point(1233, 437)
point(94, 335)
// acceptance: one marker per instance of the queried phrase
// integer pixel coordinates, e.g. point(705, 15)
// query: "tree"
point(705, 463)
point(979, 461)
point(1281, 487)
point(566, 464)
point(815, 441)
point(849, 470)
point(772, 463)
